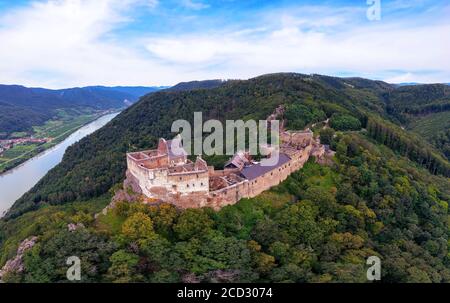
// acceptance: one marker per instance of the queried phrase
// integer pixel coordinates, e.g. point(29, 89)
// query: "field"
point(59, 128)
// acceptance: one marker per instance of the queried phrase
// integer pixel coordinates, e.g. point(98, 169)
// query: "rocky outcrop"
point(132, 183)
point(73, 227)
point(131, 192)
point(223, 276)
point(216, 276)
point(190, 278)
point(15, 265)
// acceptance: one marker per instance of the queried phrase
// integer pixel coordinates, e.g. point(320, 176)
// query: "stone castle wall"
point(184, 197)
point(250, 189)
point(228, 196)
point(192, 189)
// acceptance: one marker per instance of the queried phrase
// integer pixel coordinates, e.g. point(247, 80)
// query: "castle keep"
point(167, 175)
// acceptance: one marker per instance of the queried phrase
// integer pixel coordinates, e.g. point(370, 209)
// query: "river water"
point(16, 182)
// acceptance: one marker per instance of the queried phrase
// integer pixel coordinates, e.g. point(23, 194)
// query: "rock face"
point(132, 183)
point(73, 227)
point(16, 264)
point(130, 192)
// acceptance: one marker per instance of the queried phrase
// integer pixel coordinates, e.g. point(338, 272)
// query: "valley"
point(23, 146)
point(383, 192)
point(435, 128)
point(33, 120)
point(16, 182)
point(291, 145)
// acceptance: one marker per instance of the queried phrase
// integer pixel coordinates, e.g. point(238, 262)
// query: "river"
point(16, 182)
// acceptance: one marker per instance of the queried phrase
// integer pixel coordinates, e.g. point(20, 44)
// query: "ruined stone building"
point(167, 175)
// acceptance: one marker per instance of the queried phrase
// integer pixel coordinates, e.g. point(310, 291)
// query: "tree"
point(165, 276)
point(326, 135)
point(123, 268)
point(164, 218)
point(264, 263)
point(323, 198)
point(192, 223)
point(345, 122)
point(299, 115)
point(300, 224)
point(121, 208)
point(46, 261)
point(138, 226)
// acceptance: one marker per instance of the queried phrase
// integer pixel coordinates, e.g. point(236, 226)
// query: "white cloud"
point(151, 3)
point(404, 4)
point(365, 51)
point(195, 5)
point(65, 43)
point(69, 39)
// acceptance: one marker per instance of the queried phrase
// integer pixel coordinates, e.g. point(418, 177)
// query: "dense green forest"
point(424, 109)
point(442, 141)
point(97, 162)
point(21, 108)
point(418, 99)
point(320, 225)
point(385, 193)
point(409, 145)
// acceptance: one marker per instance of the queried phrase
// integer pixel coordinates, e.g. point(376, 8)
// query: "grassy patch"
point(18, 135)
point(18, 150)
point(64, 123)
point(110, 223)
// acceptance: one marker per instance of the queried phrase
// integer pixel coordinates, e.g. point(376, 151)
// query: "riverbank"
point(58, 130)
point(22, 178)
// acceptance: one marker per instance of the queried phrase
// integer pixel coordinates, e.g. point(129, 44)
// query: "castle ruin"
point(167, 175)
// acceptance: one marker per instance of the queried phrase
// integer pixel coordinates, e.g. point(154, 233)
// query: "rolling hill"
point(21, 108)
point(386, 193)
point(424, 109)
point(193, 85)
point(142, 124)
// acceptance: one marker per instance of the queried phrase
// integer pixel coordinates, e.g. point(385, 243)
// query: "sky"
point(68, 43)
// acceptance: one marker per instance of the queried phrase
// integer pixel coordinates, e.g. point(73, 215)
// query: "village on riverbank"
point(10, 143)
point(20, 147)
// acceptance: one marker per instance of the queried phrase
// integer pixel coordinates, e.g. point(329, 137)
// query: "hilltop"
point(385, 193)
point(21, 107)
point(142, 124)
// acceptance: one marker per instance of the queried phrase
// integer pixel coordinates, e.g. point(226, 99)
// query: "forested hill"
point(193, 85)
point(383, 194)
point(96, 163)
point(419, 99)
point(425, 110)
point(22, 107)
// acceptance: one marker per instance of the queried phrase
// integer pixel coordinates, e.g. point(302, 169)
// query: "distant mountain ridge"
point(140, 126)
point(22, 107)
point(383, 193)
point(415, 83)
point(194, 85)
point(136, 91)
